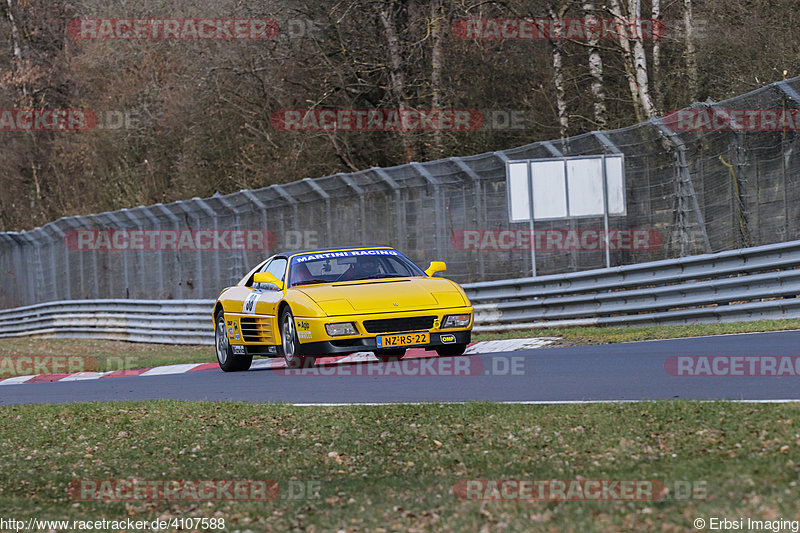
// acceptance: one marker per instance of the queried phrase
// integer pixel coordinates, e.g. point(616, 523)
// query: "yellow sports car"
point(311, 303)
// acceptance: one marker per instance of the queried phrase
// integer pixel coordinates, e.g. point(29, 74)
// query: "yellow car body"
point(306, 304)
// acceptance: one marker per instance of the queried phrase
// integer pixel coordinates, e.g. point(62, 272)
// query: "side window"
point(276, 267)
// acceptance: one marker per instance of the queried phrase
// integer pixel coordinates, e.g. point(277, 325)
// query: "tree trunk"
point(658, 95)
point(558, 73)
point(396, 76)
point(627, 61)
point(15, 43)
point(640, 61)
point(596, 71)
point(691, 51)
point(635, 61)
point(437, 60)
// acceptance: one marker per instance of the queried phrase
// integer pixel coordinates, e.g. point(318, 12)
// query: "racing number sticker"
point(250, 303)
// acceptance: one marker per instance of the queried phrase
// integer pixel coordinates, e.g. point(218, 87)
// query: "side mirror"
point(436, 266)
point(266, 277)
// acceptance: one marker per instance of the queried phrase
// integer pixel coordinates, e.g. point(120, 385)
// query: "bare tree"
point(691, 51)
point(15, 43)
point(655, 14)
point(556, 46)
point(396, 74)
point(437, 59)
point(634, 59)
point(596, 71)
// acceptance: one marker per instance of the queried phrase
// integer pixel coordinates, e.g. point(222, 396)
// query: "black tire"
point(225, 357)
point(451, 350)
point(391, 354)
point(290, 346)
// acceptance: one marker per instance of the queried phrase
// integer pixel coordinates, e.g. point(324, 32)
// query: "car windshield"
point(350, 265)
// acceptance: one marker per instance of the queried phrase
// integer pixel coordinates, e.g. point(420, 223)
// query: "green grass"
point(394, 467)
point(107, 355)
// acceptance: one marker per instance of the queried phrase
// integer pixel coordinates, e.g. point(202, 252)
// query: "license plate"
point(404, 339)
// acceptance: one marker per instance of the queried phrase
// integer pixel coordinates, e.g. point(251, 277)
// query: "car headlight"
point(342, 328)
point(456, 321)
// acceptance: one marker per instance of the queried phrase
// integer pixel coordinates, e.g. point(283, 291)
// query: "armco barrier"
point(748, 284)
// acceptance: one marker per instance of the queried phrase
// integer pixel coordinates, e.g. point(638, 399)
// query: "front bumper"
point(367, 344)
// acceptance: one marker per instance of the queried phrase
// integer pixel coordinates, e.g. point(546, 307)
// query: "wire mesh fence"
point(693, 187)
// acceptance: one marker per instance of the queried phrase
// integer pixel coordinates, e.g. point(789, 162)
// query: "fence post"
point(479, 206)
point(361, 203)
point(437, 206)
point(685, 180)
point(325, 198)
point(400, 227)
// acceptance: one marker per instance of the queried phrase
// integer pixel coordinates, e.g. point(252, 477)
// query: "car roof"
point(336, 249)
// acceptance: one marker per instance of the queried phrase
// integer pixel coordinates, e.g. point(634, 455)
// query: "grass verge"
point(102, 355)
point(393, 468)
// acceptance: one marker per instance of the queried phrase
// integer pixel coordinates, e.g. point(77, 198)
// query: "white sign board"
point(519, 202)
point(566, 188)
point(550, 190)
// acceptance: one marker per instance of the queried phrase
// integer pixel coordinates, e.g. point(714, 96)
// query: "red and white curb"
point(505, 345)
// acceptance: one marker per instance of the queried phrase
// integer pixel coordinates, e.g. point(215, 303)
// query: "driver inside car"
point(364, 268)
point(300, 275)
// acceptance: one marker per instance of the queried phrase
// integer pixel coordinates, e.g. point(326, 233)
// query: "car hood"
point(385, 295)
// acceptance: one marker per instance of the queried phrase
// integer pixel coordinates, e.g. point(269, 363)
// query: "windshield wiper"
point(310, 282)
point(378, 276)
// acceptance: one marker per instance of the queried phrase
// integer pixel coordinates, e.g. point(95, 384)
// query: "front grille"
point(391, 325)
point(258, 329)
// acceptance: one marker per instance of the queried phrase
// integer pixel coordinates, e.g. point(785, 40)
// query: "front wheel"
point(227, 360)
point(451, 349)
point(290, 344)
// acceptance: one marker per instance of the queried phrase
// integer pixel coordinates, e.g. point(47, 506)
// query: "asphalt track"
point(615, 372)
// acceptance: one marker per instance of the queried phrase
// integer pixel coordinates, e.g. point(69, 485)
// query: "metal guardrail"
point(748, 284)
point(740, 285)
point(157, 321)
